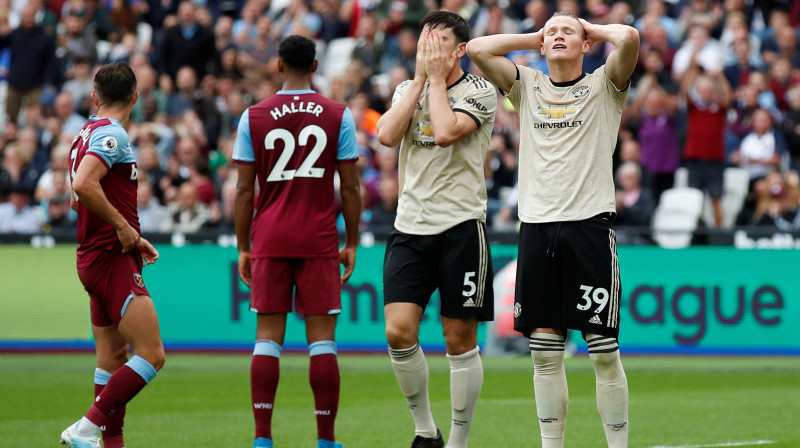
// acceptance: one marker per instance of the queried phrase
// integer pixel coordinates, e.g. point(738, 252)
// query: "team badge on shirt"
point(137, 278)
point(109, 144)
point(580, 91)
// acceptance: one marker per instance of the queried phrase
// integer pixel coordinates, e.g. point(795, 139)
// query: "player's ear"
point(461, 49)
point(135, 97)
point(587, 45)
point(280, 65)
point(95, 100)
point(314, 65)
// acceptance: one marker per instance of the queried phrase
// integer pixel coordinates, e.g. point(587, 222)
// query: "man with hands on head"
point(567, 270)
point(442, 120)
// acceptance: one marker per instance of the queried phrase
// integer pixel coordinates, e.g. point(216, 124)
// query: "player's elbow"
point(476, 50)
point(386, 137)
point(631, 37)
point(445, 139)
point(80, 186)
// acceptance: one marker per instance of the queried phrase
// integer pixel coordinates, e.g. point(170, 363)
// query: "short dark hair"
point(297, 52)
point(567, 14)
point(115, 83)
point(444, 20)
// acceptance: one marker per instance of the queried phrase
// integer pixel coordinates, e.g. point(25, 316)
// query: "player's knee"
point(155, 356)
point(399, 336)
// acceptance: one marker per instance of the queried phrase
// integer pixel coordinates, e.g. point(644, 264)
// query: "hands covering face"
point(433, 57)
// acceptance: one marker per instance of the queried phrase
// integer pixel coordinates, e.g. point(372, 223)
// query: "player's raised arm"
point(86, 185)
point(488, 53)
point(622, 60)
point(392, 126)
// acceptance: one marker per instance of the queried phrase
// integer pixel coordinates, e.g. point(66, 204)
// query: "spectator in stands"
point(707, 98)
point(18, 169)
point(759, 81)
point(781, 79)
point(737, 30)
point(262, 51)
point(403, 55)
point(186, 94)
point(152, 102)
point(151, 213)
point(71, 122)
point(635, 204)
point(760, 151)
point(17, 215)
point(656, 15)
point(58, 216)
point(492, 19)
point(81, 40)
point(32, 52)
point(790, 126)
point(370, 47)
point(384, 212)
point(777, 203)
point(700, 49)
point(80, 85)
point(187, 44)
point(500, 170)
point(738, 71)
point(47, 185)
point(187, 214)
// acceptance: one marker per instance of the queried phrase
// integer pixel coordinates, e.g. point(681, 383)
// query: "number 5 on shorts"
point(469, 285)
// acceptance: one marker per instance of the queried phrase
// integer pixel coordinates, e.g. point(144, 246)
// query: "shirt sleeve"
point(243, 146)
point(400, 90)
point(480, 104)
point(515, 94)
point(109, 144)
point(348, 145)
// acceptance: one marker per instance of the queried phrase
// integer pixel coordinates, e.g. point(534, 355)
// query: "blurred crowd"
point(718, 85)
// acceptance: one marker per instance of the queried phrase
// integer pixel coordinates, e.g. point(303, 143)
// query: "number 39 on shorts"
point(596, 295)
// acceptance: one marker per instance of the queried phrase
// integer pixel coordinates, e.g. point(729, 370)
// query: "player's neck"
point(116, 113)
point(455, 74)
point(564, 71)
point(297, 84)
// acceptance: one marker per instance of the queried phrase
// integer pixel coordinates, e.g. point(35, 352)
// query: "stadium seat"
point(681, 178)
point(735, 187)
point(676, 217)
point(338, 56)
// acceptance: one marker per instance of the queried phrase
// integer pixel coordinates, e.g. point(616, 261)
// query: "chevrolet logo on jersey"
point(425, 129)
point(558, 112)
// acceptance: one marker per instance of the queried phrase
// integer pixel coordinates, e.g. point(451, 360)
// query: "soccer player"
point(442, 119)
point(295, 141)
point(110, 252)
point(567, 271)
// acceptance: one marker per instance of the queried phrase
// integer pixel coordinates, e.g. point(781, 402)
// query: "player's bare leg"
point(612, 388)
point(410, 366)
point(323, 373)
point(550, 384)
point(112, 353)
point(139, 327)
point(466, 376)
point(265, 373)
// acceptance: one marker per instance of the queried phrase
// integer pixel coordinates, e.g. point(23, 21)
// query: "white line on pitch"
point(715, 445)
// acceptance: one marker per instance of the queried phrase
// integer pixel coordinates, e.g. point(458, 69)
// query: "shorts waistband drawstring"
point(551, 249)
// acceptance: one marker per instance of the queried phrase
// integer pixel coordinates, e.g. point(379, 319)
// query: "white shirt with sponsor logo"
point(441, 187)
point(567, 137)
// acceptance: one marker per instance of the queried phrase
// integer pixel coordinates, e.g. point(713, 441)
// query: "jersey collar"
point(96, 118)
point(294, 92)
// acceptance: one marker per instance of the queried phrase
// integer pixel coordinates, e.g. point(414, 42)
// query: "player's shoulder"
point(478, 83)
point(110, 136)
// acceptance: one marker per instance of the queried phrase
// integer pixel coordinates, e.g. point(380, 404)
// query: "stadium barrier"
point(698, 300)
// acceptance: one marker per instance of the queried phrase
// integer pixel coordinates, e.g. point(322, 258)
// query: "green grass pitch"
point(202, 401)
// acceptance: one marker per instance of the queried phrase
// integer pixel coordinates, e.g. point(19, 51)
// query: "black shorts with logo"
point(457, 262)
point(568, 277)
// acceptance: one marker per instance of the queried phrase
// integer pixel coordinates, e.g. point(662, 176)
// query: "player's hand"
point(244, 268)
point(128, 237)
point(590, 30)
point(149, 253)
point(419, 71)
point(347, 257)
point(438, 61)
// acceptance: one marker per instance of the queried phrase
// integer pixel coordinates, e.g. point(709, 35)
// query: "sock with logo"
point(550, 387)
point(466, 379)
point(264, 376)
point(612, 388)
point(411, 370)
point(123, 385)
point(112, 432)
point(323, 374)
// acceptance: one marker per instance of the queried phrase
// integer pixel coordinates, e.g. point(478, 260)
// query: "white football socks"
point(466, 379)
point(550, 387)
point(612, 389)
point(411, 370)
